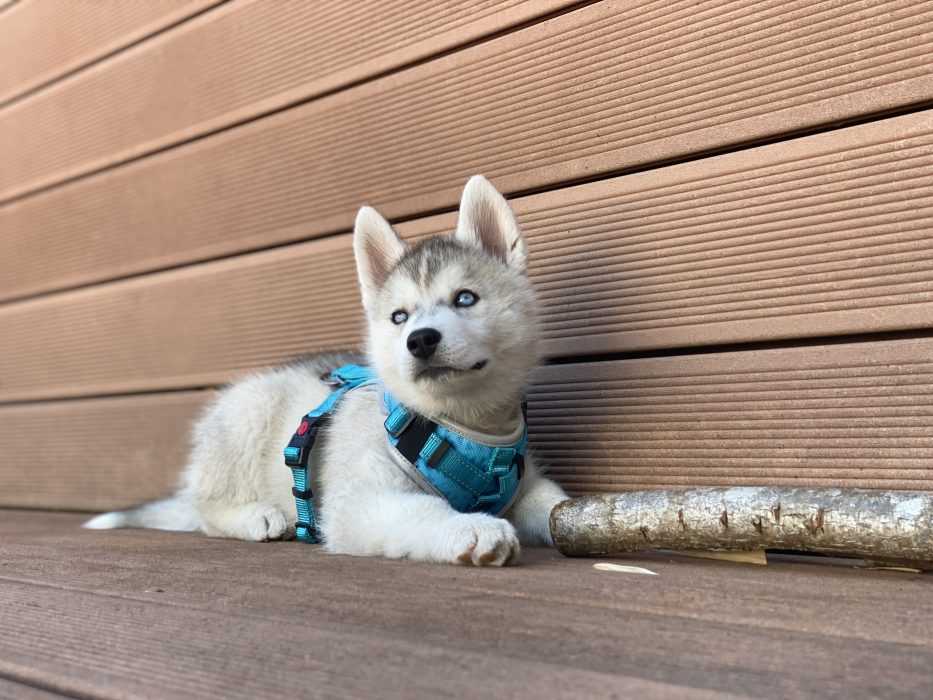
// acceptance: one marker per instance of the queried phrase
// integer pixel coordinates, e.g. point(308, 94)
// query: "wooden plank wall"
point(728, 206)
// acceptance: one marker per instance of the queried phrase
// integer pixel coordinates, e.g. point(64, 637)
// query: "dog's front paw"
point(482, 540)
point(262, 523)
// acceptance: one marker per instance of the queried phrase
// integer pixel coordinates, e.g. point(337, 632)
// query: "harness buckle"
point(434, 450)
point(331, 380)
point(310, 532)
point(399, 420)
point(299, 447)
point(305, 495)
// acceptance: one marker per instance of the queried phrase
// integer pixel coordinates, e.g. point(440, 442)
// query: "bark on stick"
point(883, 525)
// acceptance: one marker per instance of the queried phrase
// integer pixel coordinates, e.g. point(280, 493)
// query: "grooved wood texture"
point(45, 39)
point(209, 653)
point(10, 690)
point(612, 85)
point(94, 454)
point(192, 327)
point(176, 615)
point(824, 235)
point(854, 415)
point(246, 58)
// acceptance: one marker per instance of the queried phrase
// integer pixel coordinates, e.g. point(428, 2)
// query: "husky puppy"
point(452, 334)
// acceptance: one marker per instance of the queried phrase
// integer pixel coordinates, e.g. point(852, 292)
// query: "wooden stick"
point(887, 525)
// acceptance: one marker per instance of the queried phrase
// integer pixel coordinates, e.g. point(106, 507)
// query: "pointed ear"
point(487, 221)
point(377, 248)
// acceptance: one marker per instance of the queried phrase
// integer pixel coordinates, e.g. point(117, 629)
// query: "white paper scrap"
point(605, 566)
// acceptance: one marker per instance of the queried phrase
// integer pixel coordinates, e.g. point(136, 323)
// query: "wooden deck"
point(729, 217)
point(146, 614)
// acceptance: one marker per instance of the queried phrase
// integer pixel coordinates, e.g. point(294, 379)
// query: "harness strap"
point(471, 474)
point(298, 451)
point(418, 439)
point(414, 436)
point(297, 456)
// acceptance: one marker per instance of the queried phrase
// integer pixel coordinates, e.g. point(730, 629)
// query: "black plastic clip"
point(305, 495)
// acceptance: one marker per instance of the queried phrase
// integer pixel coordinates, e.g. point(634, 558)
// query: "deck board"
point(173, 615)
point(11, 690)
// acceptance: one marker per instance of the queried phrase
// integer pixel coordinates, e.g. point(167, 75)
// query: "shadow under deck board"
point(614, 85)
point(856, 415)
point(823, 235)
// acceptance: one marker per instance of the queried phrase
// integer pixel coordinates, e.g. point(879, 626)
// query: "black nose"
point(423, 342)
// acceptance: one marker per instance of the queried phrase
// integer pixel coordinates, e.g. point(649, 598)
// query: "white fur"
point(486, 220)
point(236, 484)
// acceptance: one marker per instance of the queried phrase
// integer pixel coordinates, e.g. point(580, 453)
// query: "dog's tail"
point(173, 513)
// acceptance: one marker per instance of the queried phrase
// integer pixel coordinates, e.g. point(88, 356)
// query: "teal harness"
point(473, 475)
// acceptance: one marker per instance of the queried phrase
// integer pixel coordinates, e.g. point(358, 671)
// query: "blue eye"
point(465, 298)
point(399, 317)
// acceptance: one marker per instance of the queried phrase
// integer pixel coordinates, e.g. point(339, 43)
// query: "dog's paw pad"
point(466, 556)
point(487, 558)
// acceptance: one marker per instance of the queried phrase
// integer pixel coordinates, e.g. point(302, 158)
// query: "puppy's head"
point(452, 320)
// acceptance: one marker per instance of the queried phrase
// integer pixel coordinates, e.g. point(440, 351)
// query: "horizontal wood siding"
point(827, 235)
point(42, 41)
point(855, 415)
point(612, 85)
point(245, 58)
point(95, 453)
point(180, 177)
